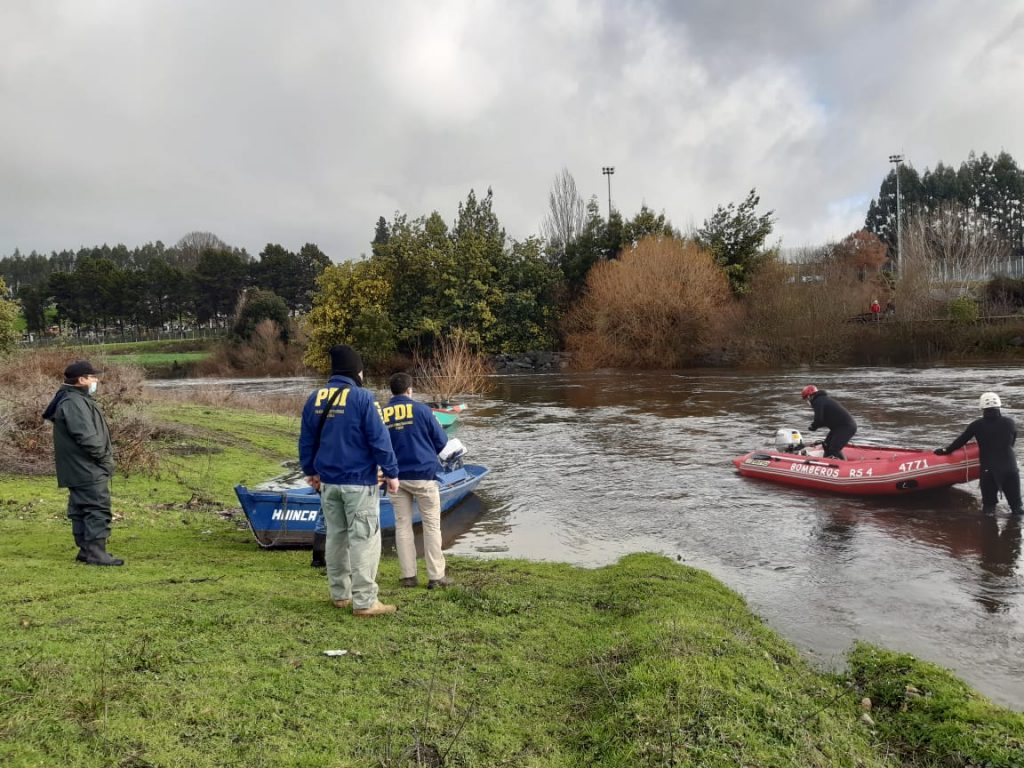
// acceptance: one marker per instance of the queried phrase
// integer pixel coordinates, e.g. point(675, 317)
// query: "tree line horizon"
point(425, 277)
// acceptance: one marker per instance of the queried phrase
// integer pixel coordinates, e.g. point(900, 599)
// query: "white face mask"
point(92, 387)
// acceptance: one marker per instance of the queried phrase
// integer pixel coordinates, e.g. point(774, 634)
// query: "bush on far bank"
point(662, 304)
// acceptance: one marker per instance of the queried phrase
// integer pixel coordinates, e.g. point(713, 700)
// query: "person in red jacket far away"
point(876, 308)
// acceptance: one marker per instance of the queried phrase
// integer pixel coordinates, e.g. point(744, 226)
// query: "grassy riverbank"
point(206, 651)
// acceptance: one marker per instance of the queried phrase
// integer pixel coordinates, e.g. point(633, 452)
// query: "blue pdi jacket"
point(354, 441)
point(417, 437)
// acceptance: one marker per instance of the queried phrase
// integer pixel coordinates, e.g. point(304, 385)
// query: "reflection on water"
point(454, 524)
point(588, 467)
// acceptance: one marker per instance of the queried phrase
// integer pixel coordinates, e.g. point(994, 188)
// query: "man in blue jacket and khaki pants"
point(417, 438)
point(341, 443)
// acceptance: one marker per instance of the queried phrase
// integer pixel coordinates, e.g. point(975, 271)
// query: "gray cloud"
point(129, 122)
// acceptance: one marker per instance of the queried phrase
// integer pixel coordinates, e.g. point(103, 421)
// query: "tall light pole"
point(897, 160)
point(608, 171)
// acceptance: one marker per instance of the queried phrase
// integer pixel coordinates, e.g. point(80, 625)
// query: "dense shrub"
point(963, 310)
point(1004, 295)
point(789, 320)
point(264, 353)
point(28, 380)
point(663, 304)
point(255, 307)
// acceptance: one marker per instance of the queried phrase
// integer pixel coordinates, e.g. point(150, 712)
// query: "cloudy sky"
point(291, 122)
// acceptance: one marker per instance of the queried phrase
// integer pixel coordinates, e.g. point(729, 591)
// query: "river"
point(588, 467)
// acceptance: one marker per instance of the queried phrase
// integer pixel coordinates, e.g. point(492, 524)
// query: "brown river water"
point(588, 467)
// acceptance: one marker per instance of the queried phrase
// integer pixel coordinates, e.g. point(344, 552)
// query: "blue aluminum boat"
point(282, 512)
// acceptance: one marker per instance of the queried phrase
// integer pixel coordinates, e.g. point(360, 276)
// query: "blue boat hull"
point(282, 518)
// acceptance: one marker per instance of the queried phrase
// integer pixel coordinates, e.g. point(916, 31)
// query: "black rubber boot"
point(319, 551)
point(96, 554)
point(988, 509)
point(80, 557)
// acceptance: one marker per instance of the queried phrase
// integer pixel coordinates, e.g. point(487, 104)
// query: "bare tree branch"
point(566, 212)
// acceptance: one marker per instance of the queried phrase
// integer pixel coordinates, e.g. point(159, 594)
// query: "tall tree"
point(33, 306)
point(192, 246)
point(381, 234)
point(566, 215)
point(217, 282)
point(526, 310)
point(735, 236)
point(585, 251)
point(351, 307)
point(647, 224)
point(983, 192)
point(166, 292)
point(312, 263)
point(278, 271)
point(8, 321)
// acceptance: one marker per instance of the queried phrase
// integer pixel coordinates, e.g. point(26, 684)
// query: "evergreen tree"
point(381, 234)
point(217, 282)
point(8, 321)
point(33, 306)
point(256, 306)
point(987, 193)
point(735, 236)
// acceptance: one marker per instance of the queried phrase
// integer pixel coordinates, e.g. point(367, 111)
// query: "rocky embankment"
point(530, 362)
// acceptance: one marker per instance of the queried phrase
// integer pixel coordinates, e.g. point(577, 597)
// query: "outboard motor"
point(789, 441)
point(451, 455)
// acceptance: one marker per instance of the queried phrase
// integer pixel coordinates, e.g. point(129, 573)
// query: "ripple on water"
point(588, 467)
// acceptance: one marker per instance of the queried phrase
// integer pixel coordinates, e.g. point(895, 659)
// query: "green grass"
point(148, 347)
point(206, 651)
point(149, 359)
point(922, 709)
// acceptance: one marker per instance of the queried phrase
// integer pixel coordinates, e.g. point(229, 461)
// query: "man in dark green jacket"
point(85, 461)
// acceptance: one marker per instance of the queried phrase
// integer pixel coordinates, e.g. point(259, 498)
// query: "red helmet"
point(809, 390)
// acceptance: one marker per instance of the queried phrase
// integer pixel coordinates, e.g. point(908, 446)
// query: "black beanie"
point(345, 361)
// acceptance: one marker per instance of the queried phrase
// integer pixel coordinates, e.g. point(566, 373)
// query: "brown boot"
point(342, 603)
point(377, 609)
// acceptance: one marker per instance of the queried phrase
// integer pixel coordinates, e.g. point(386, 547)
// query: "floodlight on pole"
point(897, 160)
point(608, 171)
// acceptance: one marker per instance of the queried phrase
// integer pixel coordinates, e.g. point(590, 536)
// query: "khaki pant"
point(428, 499)
point(352, 514)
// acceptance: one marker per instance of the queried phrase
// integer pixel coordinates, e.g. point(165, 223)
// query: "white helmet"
point(990, 400)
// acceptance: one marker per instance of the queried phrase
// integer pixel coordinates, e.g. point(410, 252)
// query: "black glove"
point(813, 427)
point(941, 452)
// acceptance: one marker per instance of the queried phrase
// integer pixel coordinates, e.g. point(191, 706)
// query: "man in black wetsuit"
point(996, 435)
point(829, 413)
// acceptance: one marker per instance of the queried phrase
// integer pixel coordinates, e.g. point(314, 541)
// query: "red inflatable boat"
point(867, 470)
